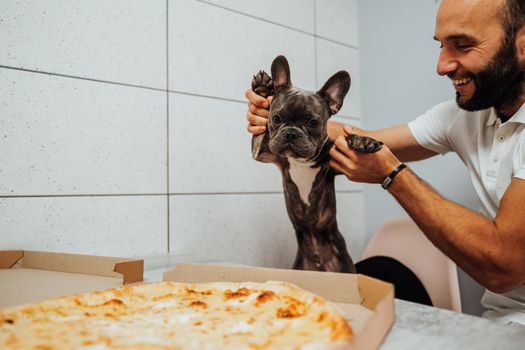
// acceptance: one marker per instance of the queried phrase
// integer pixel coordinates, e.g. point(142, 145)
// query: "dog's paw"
point(262, 84)
point(363, 144)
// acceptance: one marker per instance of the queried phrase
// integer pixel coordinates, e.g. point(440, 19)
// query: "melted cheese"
point(171, 315)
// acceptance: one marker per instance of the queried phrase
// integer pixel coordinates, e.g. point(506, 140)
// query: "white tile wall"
point(114, 226)
point(332, 57)
point(215, 52)
point(235, 228)
point(249, 229)
point(210, 149)
point(350, 219)
point(297, 14)
point(71, 136)
point(120, 40)
point(338, 20)
point(89, 166)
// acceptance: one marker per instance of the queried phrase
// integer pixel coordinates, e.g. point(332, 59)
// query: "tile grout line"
point(278, 24)
point(27, 70)
point(157, 194)
point(346, 117)
point(141, 87)
point(167, 131)
point(81, 195)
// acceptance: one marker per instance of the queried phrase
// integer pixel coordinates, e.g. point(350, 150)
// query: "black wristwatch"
point(388, 180)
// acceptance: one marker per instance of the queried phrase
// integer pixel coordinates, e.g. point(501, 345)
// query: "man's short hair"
point(513, 17)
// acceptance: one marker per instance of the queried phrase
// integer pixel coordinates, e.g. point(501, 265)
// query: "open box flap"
point(377, 296)
point(130, 270)
point(31, 276)
point(8, 258)
point(336, 287)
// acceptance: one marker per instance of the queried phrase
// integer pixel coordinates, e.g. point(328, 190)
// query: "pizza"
point(169, 315)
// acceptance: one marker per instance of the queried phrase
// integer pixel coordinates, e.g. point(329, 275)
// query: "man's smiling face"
point(475, 54)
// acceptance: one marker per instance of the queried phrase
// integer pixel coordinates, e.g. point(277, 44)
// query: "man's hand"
point(349, 129)
point(258, 109)
point(362, 167)
point(336, 129)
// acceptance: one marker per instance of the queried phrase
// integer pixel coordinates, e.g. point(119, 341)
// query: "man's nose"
point(446, 63)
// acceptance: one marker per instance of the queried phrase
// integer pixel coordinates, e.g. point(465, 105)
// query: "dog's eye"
point(312, 123)
point(276, 119)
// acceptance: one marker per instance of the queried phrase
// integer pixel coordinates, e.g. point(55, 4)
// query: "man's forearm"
point(398, 138)
point(335, 129)
point(467, 237)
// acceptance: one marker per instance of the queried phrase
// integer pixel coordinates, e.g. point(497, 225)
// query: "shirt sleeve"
point(432, 129)
point(518, 159)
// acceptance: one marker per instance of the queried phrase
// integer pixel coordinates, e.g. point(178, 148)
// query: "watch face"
point(387, 182)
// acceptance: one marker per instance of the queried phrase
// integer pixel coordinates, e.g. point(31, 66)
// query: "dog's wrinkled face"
point(297, 123)
point(298, 118)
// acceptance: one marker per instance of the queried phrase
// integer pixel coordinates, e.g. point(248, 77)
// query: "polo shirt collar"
point(518, 117)
point(492, 118)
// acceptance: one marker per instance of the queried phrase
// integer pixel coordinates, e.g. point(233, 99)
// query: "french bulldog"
point(297, 142)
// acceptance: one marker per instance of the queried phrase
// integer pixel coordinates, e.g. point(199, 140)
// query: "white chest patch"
point(303, 175)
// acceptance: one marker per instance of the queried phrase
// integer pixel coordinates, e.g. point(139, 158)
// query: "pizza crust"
point(169, 315)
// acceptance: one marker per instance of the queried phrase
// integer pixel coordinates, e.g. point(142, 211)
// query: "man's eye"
point(312, 123)
point(276, 119)
point(463, 46)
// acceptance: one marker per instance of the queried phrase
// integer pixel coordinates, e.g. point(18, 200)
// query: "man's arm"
point(491, 251)
point(398, 138)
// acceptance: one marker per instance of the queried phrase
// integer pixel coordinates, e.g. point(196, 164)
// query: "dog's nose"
point(290, 136)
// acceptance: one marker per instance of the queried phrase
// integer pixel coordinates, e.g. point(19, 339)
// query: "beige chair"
point(402, 240)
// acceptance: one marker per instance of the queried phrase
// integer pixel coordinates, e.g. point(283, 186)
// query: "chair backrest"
point(402, 240)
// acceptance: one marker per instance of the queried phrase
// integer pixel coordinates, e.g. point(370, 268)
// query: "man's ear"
point(280, 74)
point(520, 43)
point(335, 90)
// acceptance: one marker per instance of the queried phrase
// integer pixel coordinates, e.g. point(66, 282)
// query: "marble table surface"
point(423, 327)
point(416, 326)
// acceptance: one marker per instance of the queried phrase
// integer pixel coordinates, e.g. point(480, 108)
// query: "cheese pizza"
point(168, 315)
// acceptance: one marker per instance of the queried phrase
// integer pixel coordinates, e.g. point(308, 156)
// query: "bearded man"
point(483, 53)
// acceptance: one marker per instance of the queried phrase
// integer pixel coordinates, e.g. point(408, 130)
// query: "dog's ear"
point(280, 74)
point(335, 90)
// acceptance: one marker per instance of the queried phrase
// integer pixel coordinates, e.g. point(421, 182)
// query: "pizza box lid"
point(368, 303)
point(30, 276)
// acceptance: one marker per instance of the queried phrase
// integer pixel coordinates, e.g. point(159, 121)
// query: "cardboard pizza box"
point(30, 276)
point(368, 303)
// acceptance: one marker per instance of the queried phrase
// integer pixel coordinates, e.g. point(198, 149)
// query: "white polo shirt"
point(494, 153)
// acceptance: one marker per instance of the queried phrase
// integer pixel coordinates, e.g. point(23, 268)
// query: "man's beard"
point(499, 83)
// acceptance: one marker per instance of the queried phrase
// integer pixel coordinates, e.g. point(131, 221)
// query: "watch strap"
point(388, 180)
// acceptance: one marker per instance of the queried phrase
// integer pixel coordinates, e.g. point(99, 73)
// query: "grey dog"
point(297, 141)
